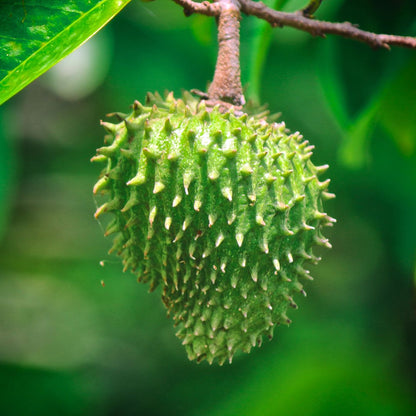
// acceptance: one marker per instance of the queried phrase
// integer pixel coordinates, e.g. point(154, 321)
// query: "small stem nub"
point(311, 8)
point(226, 85)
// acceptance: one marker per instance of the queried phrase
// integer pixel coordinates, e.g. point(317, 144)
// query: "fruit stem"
point(226, 85)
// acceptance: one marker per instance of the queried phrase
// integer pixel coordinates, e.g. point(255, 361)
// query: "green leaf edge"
point(260, 45)
point(94, 19)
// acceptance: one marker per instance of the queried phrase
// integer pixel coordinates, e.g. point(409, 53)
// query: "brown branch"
point(321, 28)
point(226, 89)
point(301, 22)
point(189, 7)
point(226, 85)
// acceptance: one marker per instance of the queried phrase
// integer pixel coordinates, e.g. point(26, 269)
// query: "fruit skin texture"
point(220, 210)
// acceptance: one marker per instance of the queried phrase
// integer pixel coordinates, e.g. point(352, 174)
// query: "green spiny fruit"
point(220, 210)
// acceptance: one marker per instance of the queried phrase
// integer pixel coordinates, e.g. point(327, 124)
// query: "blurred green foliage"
point(72, 346)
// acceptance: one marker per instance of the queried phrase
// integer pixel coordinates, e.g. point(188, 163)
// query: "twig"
point(321, 28)
point(311, 8)
point(226, 85)
point(190, 7)
point(302, 22)
point(226, 90)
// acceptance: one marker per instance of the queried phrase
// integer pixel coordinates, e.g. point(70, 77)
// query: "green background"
point(70, 345)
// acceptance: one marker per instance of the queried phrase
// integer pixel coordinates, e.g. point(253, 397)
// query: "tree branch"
point(321, 28)
point(190, 7)
point(226, 85)
point(301, 21)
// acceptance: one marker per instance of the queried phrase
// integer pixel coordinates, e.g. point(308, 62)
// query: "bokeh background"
point(78, 338)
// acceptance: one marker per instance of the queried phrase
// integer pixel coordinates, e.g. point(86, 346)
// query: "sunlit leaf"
point(36, 34)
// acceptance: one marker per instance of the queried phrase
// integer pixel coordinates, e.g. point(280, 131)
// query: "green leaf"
point(36, 34)
point(398, 109)
point(202, 29)
point(7, 171)
point(261, 34)
point(414, 275)
point(332, 86)
point(354, 150)
point(393, 107)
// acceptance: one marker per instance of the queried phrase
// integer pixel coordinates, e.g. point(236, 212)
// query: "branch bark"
point(226, 89)
point(321, 28)
point(302, 22)
point(190, 7)
point(226, 85)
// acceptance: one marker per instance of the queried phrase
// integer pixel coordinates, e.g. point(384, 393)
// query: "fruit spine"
point(220, 210)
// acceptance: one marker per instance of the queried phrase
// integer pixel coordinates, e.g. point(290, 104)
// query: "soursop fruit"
point(221, 210)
